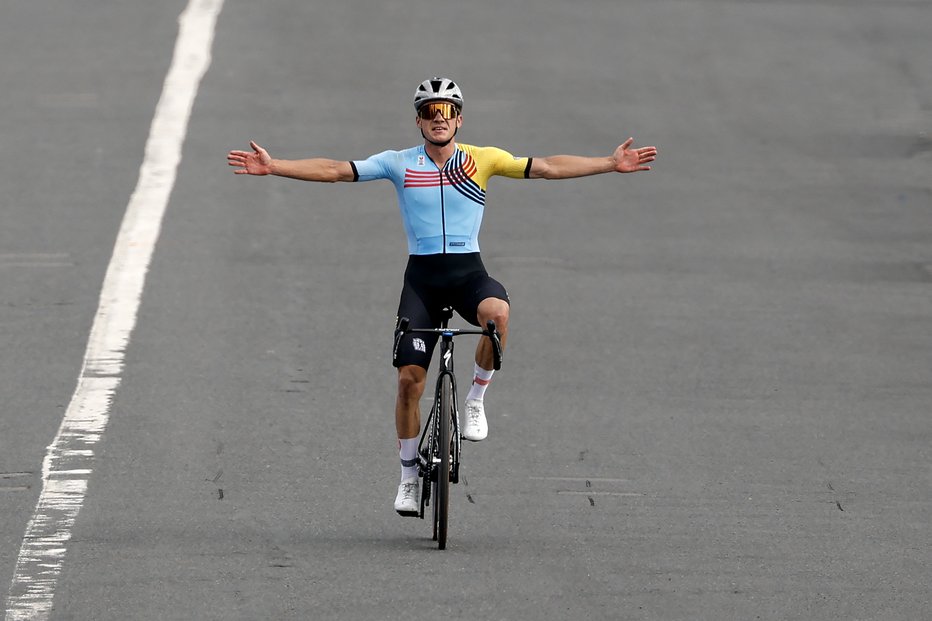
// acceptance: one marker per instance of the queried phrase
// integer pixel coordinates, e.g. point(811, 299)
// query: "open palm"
point(632, 160)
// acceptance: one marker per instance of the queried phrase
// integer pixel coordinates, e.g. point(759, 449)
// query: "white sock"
point(480, 382)
point(407, 451)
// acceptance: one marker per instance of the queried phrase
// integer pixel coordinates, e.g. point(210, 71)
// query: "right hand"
point(633, 160)
point(259, 162)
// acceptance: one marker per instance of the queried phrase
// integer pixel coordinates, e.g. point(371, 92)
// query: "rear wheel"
point(442, 484)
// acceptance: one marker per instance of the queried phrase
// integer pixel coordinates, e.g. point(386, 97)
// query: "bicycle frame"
point(433, 458)
point(440, 446)
point(431, 431)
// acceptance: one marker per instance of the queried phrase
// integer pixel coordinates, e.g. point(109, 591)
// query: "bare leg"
point(412, 380)
point(498, 311)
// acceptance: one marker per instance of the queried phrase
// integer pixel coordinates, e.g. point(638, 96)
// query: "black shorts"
point(433, 282)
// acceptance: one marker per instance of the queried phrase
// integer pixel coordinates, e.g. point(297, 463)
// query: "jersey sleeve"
point(504, 164)
point(378, 166)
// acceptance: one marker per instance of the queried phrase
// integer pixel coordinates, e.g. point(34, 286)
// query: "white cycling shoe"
point(475, 427)
point(407, 501)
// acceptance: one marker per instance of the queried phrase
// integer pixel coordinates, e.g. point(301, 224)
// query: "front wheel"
point(442, 484)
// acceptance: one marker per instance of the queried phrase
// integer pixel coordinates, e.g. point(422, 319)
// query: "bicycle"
point(440, 445)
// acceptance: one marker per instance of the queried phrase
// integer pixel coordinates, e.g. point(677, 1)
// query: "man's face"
point(438, 128)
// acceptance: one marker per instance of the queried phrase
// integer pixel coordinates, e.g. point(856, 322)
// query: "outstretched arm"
point(623, 160)
point(259, 162)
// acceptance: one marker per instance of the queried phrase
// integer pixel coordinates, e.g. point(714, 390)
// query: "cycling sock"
point(480, 382)
point(407, 451)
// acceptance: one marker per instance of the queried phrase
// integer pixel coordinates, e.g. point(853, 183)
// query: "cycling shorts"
point(433, 282)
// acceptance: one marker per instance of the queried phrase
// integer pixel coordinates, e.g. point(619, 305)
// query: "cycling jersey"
point(441, 209)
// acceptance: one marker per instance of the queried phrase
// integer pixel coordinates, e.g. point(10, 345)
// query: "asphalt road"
point(715, 403)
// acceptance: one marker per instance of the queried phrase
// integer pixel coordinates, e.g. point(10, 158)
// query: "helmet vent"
point(438, 89)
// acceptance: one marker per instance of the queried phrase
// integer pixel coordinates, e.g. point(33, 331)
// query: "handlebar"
point(491, 332)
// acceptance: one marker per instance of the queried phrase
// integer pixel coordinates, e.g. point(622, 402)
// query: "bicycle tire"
point(442, 494)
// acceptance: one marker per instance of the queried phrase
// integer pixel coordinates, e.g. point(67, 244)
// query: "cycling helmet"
point(438, 89)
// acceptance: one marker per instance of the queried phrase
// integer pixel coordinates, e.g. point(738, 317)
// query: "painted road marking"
point(68, 462)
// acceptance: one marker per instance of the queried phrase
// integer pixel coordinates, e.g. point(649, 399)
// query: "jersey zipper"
point(443, 210)
point(443, 215)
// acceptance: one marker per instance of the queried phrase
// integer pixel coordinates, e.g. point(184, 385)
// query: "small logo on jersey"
point(420, 160)
point(454, 244)
point(419, 345)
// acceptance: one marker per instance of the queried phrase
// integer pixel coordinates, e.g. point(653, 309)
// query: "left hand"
point(632, 160)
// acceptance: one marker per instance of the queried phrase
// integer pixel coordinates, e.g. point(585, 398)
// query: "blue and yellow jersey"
point(442, 208)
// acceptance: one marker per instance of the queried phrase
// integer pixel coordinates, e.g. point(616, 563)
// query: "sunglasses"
point(429, 110)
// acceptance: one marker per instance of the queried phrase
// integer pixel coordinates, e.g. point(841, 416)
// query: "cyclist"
point(441, 186)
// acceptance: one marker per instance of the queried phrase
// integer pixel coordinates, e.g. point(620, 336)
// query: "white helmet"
point(438, 89)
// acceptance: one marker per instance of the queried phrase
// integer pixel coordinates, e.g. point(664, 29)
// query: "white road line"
point(68, 462)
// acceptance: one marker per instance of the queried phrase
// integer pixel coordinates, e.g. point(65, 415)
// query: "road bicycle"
point(440, 444)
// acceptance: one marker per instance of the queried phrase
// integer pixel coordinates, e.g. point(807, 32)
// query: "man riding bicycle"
point(441, 187)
